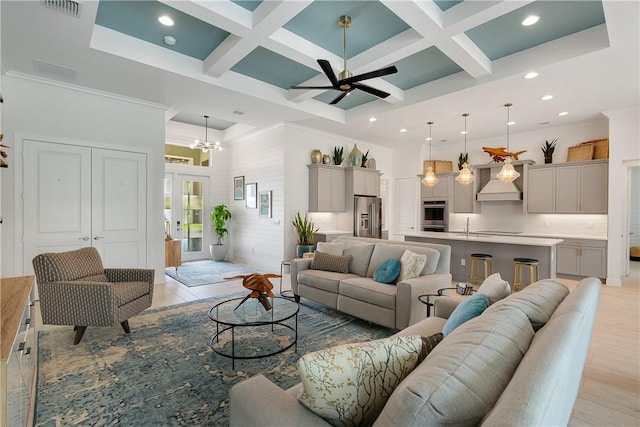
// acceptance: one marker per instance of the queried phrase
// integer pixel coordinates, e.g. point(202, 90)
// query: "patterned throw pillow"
point(349, 384)
point(388, 271)
point(328, 262)
point(412, 265)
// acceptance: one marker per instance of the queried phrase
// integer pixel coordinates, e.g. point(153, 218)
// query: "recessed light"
point(546, 97)
point(531, 75)
point(372, 119)
point(463, 132)
point(564, 113)
point(403, 130)
point(511, 123)
point(170, 40)
point(428, 138)
point(530, 20)
point(165, 20)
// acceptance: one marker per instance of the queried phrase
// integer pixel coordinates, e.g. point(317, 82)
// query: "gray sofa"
point(519, 364)
point(356, 293)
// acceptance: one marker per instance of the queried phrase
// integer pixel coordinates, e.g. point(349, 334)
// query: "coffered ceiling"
point(236, 60)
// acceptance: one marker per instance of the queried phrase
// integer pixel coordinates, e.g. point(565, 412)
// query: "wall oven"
point(435, 215)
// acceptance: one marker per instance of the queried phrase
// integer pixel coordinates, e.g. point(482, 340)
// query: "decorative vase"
point(355, 156)
point(218, 252)
point(326, 159)
point(548, 160)
point(303, 249)
point(316, 157)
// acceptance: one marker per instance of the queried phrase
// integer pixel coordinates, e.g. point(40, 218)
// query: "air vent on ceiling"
point(57, 72)
point(69, 7)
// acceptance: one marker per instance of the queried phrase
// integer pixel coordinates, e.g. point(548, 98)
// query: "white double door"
point(78, 196)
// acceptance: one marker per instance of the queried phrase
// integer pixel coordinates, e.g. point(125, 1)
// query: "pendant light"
point(465, 177)
point(508, 173)
point(206, 145)
point(430, 179)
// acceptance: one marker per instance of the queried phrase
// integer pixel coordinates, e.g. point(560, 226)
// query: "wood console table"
point(172, 253)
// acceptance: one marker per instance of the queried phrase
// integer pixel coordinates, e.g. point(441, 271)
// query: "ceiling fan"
point(346, 81)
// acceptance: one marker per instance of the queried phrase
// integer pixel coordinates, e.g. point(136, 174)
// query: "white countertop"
point(551, 235)
point(502, 239)
point(332, 232)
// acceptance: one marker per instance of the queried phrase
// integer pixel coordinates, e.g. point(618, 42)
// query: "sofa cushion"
point(328, 262)
point(538, 301)
point(325, 280)
point(495, 288)
point(361, 254)
point(388, 271)
point(468, 309)
point(368, 290)
point(385, 251)
point(412, 265)
point(330, 248)
point(349, 384)
point(463, 377)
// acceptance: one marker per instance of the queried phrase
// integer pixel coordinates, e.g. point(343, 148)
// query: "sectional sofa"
point(358, 294)
point(519, 363)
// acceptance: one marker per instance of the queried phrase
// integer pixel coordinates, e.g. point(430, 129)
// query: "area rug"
point(206, 272)
point(164, 373)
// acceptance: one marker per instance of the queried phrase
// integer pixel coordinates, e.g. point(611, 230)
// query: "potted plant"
point(365, 157)
point(547, 149)
point(462, 159)
point(304, 229)
point(338, 155)
point(219, 216)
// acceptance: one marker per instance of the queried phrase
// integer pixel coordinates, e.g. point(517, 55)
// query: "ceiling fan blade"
point(326, 67)
point(370, 75)
point(373, 91)
point(339, 97)
point(311, 87)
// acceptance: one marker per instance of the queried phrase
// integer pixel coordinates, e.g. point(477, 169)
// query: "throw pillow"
point(328, 262)
point(466, 310)
point(412, 265)
point(349, 384)
point(330, 248)
point(388, 271)
point(495, 288)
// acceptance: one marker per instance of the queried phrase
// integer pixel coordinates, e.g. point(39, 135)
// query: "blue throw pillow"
point(466, 310)
point(388, 271)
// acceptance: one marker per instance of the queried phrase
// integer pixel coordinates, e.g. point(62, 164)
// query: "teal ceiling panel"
point(506, 35)
point(423, 67)
point(250, 5)
point(268, 66)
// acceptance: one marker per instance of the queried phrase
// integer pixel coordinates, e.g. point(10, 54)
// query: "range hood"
point(496, 190)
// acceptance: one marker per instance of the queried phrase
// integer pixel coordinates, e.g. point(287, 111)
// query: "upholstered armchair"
point(75, 289)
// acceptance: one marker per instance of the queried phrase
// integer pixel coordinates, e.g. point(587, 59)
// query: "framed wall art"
point(251, 194)
point(238, 188)
point(265, 204)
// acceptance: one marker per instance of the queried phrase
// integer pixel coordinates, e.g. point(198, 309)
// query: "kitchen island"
point(503, 248)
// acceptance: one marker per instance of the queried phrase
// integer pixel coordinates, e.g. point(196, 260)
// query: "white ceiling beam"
point(470, 14)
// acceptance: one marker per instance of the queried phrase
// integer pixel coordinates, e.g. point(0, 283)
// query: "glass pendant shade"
point(465, 176)
point(508, 173)
point(430, 179)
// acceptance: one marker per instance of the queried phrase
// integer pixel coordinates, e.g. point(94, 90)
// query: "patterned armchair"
point(75, 289)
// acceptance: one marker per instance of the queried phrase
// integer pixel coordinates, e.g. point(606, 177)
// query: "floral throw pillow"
point(412, 265)
point(349, 384)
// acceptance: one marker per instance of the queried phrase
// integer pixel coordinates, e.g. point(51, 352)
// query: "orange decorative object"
point(260, 287)
point(499, 154)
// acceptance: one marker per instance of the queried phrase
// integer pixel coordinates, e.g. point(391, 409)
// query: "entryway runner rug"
point(206, 272)
point(164, 373)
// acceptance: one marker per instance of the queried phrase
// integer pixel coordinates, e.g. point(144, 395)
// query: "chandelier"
point(465, 176)
point(206, 145)
point(507, 173)
point(430, 179)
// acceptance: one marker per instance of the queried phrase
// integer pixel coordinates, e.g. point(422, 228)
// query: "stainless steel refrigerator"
point(367, 216)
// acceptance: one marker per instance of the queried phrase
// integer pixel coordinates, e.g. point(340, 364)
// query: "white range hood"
point(496, 190)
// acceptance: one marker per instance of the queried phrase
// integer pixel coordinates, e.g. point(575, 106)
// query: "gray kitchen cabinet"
point(362, 182)
point(582, 257)
point(463, 197)
point(571, 188)
point(326, 188)
point(439, 191)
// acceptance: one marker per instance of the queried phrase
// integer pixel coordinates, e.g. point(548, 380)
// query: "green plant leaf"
point(219, 216)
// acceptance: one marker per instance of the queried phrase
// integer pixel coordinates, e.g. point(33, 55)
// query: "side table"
point(287, 293)
point(424, 298)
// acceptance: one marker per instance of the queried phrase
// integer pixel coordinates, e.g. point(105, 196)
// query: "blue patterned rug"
point(206, 272)
point(164, 373)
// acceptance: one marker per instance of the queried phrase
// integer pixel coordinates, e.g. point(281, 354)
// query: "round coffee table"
point(253, 324)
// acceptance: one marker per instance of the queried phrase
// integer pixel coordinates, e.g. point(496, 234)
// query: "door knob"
point(98, 238)
point(85, 238)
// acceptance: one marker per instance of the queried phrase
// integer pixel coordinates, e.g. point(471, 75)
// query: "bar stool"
point(518, 265)
point(477, 261)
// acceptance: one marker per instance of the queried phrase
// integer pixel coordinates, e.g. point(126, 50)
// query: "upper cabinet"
point(568, 188)
point(362, 182)
point(326, 188)
point(464, 200)
point(440, 190)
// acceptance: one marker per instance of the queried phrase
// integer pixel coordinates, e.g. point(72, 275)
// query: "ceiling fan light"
point(430, 179)
point(465, 177)
point(507, 174)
